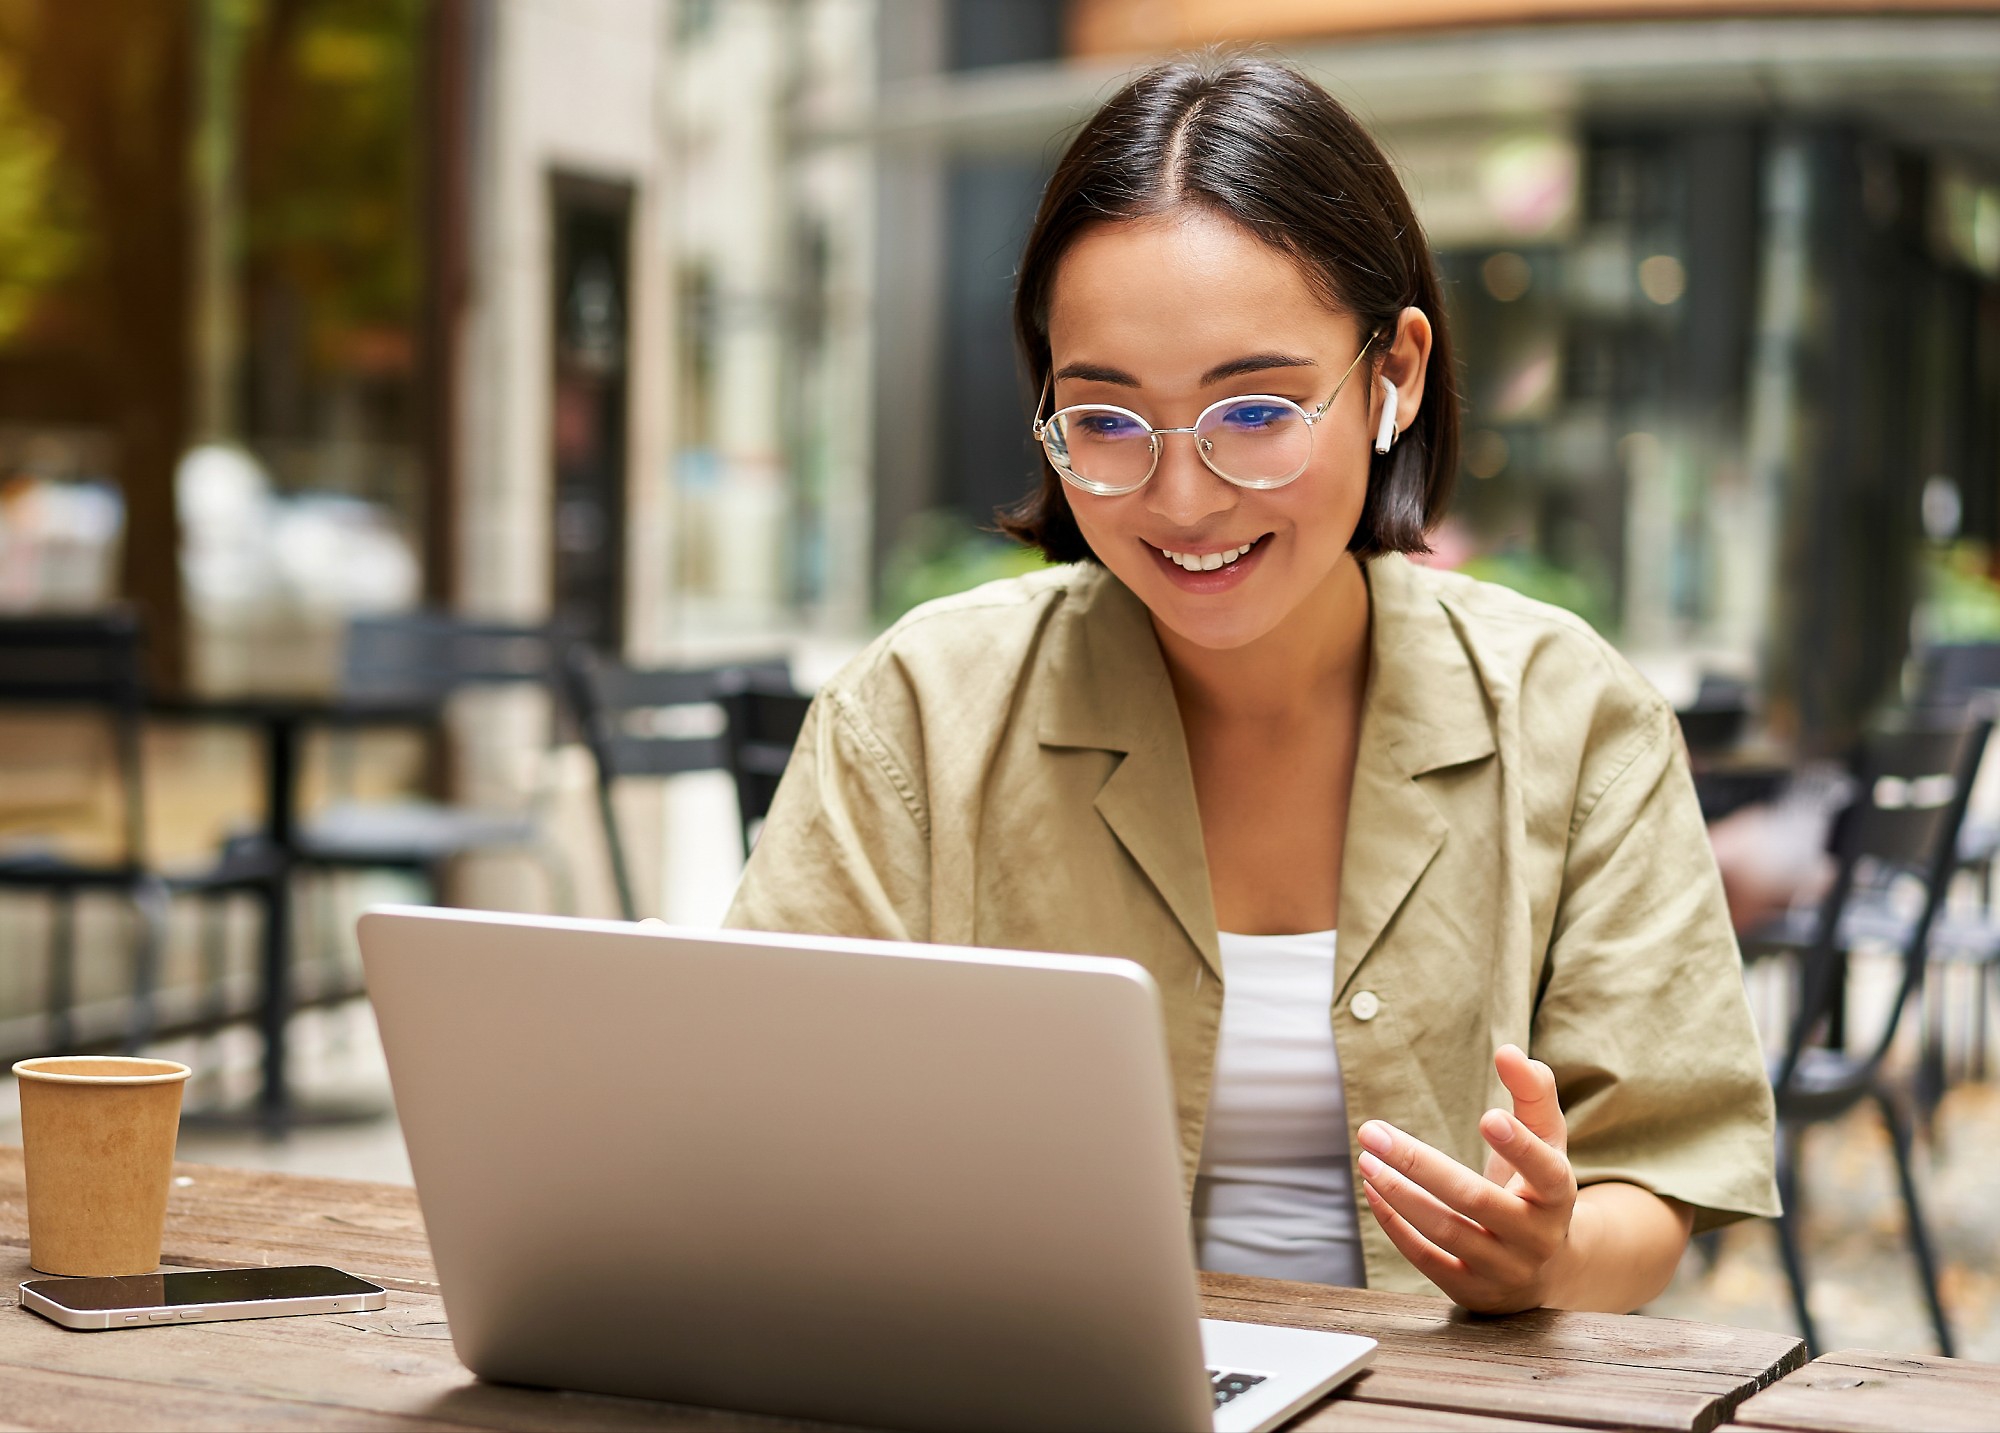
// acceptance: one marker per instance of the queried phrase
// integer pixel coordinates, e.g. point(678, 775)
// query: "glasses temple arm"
point(1320, 412)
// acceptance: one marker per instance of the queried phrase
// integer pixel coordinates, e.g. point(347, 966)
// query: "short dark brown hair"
point(1258, 143)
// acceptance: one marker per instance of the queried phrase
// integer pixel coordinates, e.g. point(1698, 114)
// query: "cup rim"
point(166, 1071)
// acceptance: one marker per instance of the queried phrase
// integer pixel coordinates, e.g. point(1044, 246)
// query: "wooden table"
point(1436, 1368)
point(1856, 1391)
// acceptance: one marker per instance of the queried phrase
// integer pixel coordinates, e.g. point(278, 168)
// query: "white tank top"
point(1274, 1195)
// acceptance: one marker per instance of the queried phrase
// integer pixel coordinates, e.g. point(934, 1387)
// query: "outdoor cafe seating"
point(1909, 796)
point(92, 664)
point(420, 662)
point(660, 722)
point(398, 671)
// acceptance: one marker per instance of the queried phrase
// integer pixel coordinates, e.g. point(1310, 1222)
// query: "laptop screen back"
point(847, 1180)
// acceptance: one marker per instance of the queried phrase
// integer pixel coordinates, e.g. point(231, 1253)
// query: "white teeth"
point(1208, 562)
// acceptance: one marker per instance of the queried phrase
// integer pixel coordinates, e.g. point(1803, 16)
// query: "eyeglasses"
point(1256, 441)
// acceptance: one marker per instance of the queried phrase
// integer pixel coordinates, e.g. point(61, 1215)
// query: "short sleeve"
point(1642, 1014)
point(844, 850)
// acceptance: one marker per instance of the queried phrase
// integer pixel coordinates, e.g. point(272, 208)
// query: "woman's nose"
point(1183, 491)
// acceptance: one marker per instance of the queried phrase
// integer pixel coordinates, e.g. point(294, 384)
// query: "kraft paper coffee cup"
point(97, 1132)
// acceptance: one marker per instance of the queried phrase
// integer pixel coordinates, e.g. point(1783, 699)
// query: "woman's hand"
point(1496, 1242)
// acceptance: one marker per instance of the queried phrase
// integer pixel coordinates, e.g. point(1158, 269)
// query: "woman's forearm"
point(1624, 1243)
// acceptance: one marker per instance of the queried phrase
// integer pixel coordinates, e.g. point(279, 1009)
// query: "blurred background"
point(443, 424)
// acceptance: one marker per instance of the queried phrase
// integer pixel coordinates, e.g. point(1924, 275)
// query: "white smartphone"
point(201, 1296)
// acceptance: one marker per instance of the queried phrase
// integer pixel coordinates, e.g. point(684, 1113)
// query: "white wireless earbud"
point(1386, 434)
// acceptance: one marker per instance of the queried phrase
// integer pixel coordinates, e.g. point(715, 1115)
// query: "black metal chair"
point(1910, 792)
point(408, 658)
point(660, 722)
point(1950, 672)
point(94, 666)
point(765, 714)
point(1948, 676)
point(1717, 717)
point(1713, 727)
point(419, 661)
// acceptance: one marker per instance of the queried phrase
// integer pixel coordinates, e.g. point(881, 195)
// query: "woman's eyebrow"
point(1254, 363)
point(1249, 363)
point(1096, 373)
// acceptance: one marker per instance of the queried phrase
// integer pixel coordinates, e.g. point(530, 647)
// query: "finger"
point(1544, 1169)
point(1432, 1262)
point(1470, 1194)
point(1441, 1225)
point(1533, 1086)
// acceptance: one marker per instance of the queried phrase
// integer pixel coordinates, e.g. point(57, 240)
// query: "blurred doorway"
point(591, 223)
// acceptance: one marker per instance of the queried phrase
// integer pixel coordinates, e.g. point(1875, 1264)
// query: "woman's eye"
point(1252, 416)
point(1107, 425)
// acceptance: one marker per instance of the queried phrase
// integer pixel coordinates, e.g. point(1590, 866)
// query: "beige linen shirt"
point(1524, 862)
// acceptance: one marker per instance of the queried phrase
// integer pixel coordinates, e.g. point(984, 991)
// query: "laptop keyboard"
point(1229, 1385)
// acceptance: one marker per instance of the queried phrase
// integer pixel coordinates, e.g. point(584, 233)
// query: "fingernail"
point(1375, 1135)
point(1370, 1166)
point(1497, 1125)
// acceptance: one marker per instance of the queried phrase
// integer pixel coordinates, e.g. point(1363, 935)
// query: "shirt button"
point(1365, 1005)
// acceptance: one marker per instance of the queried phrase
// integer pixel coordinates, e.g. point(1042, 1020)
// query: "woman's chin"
point(1212, 635)
point(1221, 623)
point(1232, 619)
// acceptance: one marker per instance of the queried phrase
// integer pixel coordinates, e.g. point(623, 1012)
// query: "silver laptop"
point(884, 1184)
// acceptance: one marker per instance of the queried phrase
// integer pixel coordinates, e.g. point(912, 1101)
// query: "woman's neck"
point(1317, 654)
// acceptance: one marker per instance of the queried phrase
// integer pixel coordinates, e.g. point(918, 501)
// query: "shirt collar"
point(1424, 689)
point(1106, 686)
point(1106, 682)
point(1109, 687)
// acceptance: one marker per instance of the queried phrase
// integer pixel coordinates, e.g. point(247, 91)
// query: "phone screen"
point(213, 1286)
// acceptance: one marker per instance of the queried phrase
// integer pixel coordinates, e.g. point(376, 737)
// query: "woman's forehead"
point(1188, 286)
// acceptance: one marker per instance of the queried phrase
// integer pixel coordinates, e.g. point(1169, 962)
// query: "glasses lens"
point(1262, 441)
point(1105, 447)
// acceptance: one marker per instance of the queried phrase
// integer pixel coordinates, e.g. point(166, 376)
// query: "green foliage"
point(941, 552)
point(41, 238)
point(1531, 575)
point(1961, 602)
point(333, 160)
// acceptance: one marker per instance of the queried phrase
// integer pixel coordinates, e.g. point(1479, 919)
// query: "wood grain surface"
point(1858, 1391)
point(1437, 1367)
point(235, 1218)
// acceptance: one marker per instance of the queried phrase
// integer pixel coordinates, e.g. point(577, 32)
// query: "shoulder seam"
point(1058, 589)
point(849, 713)
point(1553, 619)
point(1602, 651)
point(1626, 759)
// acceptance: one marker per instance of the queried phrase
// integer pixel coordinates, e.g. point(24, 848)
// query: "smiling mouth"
point(1208, 561)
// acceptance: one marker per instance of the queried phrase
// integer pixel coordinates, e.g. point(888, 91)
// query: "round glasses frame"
point(1203, 446)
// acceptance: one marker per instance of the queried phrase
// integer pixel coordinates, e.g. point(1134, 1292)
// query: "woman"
point(1451, 995)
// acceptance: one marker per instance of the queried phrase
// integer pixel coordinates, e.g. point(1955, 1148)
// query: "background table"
point(1437, 1367)
point(266, 862)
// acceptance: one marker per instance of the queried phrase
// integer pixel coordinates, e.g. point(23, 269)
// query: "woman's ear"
point(1393, 514)
point(1405, 361)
